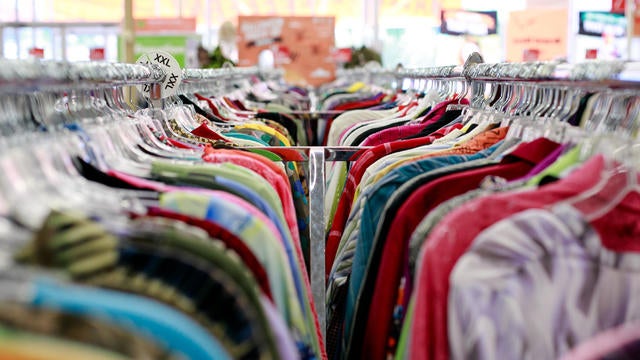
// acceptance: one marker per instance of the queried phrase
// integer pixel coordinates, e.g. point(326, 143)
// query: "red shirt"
point(411, 213)
point(357, 170)
point(453, 236)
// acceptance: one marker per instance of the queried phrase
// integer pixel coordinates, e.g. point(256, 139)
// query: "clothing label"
point(169, 66)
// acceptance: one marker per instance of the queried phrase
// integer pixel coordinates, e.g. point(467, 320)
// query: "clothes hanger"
point(461, 94)
point(527, 125)
point(33, 171)
point(35, 183)
point(621, 152)
point(148, 140)
point(618, 179)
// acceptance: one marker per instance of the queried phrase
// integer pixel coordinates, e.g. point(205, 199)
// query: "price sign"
point(169, 65)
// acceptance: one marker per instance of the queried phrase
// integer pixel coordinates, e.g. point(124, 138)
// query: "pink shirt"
point(451, 238)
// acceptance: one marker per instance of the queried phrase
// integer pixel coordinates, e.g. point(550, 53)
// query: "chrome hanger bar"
point(203, 75)
point(21, 75)
point(612, 73)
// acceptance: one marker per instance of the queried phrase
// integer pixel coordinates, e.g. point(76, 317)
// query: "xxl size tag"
point(169, 65)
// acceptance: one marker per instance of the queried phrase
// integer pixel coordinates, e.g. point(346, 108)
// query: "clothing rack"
point(535, 96)
point(586, 74)
point(58, 78)
point(34, 76)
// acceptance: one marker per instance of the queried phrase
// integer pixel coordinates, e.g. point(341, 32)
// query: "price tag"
point(169, 65)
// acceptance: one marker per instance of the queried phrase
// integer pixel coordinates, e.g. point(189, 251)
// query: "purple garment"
point(535, 285)
point(546, 162)
point(284, 343)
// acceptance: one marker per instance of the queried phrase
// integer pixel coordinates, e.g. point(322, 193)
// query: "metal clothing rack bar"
point(590, 73)
point(317, 157)
point(602, 72)
point(207, 75)
point(20, 75)
point(317, 232)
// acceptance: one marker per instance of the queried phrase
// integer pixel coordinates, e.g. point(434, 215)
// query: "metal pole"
point(128, 39)
point(629, 11)
point(129, 32)
point(16, 33)
point(317, 230)
point(207, 19)
point(33, 29)
point(63, 42)
point(1, 41)
point(376, 26)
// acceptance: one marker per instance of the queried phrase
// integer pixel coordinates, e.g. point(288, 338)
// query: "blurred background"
point(413, 33)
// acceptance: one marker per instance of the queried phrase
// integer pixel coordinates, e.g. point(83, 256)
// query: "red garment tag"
point(212, 106)
point(205, 132)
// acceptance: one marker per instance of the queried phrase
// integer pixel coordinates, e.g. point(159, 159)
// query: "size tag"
point(169, 66)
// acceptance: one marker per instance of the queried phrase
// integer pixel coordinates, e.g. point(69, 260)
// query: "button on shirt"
point(537, 284)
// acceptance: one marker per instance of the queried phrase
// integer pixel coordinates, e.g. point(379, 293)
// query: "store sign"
point(462, 22)
point(165, 25)
point(36, 53)
point(261, 32)
point(181, 47)
point(529, 33)
point(598, 23)
point(96, 54)
point(301, 45)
